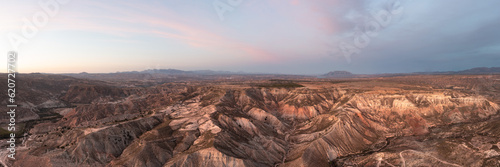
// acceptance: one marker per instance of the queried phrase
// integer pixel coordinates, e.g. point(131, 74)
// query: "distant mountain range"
point(473, 71)
point(479, 70)
point(339, 74)
point(161, 73)
point(335, 74)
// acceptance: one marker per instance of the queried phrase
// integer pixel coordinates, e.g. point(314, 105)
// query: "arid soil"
point(427, 120)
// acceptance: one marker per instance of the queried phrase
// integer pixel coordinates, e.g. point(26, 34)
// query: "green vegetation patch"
point(4, 133)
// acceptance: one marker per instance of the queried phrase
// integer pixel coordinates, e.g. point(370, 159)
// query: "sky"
point(261, 36)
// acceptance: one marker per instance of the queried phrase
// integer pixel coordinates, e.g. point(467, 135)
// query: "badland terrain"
point(158, 119)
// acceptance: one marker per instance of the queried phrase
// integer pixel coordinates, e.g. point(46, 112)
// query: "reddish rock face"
point(418, 125)
point(214, 123)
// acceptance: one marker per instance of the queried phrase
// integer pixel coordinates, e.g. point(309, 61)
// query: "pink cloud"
point(163, 24)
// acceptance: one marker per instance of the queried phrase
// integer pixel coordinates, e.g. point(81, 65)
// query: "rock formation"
point(364, 123)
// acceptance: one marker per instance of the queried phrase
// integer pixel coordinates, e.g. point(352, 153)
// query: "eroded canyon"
point(393, 121)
